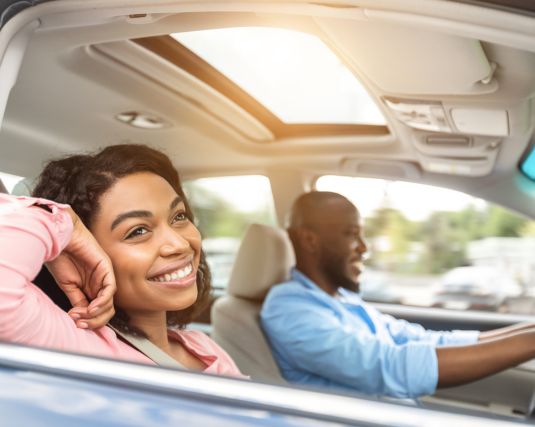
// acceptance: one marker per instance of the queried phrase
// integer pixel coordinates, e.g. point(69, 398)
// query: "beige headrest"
point(264, 259)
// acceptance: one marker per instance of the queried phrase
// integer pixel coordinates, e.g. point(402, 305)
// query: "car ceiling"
point(80, 69)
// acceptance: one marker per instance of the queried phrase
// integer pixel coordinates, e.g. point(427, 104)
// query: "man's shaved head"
point(309, 209)
point(326, 235)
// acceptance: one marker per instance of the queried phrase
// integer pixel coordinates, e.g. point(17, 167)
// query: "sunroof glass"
point(293, 74)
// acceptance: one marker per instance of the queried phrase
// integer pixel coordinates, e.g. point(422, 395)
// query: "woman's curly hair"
point(81, 180)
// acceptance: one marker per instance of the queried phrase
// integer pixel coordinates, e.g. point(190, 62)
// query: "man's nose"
point(362, 247)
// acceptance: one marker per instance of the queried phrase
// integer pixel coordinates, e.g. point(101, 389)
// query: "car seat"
point(264, 258)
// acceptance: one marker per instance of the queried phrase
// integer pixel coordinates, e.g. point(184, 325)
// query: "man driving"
point(323, 334)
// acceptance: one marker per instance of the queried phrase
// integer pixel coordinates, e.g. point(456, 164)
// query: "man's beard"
point(336, 271)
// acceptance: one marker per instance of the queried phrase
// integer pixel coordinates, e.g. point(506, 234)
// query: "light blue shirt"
point(346, 344)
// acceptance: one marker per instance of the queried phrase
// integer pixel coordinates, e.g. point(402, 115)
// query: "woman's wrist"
point(75, 218)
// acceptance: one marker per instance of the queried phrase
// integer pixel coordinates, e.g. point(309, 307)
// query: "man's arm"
point(461, 365)
point(311, 339)
point(505, 332)
point(403, 332)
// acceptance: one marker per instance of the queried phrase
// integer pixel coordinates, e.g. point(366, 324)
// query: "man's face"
point(341, 245)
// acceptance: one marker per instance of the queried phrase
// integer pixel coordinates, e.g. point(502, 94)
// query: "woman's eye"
point(180, 216)
point(140, 231)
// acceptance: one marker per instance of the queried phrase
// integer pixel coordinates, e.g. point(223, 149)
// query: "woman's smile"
point(182, 275)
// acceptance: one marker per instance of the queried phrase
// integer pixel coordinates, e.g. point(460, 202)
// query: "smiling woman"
point(140, 237)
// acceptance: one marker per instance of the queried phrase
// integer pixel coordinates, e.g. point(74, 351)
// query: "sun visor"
point(407, 60)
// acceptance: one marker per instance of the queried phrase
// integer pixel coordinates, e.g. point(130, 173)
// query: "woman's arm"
point(85, 273)
point(30, 235)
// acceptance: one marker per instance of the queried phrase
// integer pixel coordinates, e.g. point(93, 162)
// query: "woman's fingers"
point(101, 319)
point(76, 297)
point(104, 295)
point(94, 317)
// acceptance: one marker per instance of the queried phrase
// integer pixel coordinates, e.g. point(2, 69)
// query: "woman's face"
point(154, 248)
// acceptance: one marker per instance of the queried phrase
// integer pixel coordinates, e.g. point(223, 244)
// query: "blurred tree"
point(443, 242)
point(443, 236)
point(502, 223)
point(215, 217)
point(528, 229)
point(391, 224)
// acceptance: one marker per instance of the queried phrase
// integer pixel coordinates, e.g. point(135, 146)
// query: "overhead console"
point(435, 116)
point(460, 140)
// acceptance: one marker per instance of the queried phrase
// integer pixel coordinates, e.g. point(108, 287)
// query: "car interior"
point(446, 97)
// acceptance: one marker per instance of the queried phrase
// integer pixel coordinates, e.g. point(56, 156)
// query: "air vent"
point(448, 141)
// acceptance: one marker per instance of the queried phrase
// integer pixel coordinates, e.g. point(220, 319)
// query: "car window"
point(431, 246)
point(223, 208)
point(10, 180)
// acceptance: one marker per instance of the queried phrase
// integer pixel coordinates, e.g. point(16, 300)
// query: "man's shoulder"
point(284, 289)
point(294, 292)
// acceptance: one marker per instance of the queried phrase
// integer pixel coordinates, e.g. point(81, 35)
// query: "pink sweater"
point(31, 236)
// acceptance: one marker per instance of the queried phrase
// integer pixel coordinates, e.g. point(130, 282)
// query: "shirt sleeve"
point(403, 332)
point(312, 338)
point(29, 236)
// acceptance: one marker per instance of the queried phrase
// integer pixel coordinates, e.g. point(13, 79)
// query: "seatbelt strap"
point(153, 352)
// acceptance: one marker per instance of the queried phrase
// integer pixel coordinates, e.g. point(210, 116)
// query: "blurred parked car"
point(476, 287)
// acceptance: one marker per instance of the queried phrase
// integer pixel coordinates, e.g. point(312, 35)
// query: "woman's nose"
point(173, 243)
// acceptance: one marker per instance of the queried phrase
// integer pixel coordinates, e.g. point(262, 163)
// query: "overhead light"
point(142, 120)
point(482, 122)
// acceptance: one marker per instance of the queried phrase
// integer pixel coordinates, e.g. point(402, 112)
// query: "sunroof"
point(293, 74)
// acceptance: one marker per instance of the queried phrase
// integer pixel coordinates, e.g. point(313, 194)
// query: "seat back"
point(264, 259)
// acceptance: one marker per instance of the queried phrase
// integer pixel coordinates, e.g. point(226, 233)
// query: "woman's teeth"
point(175, 275)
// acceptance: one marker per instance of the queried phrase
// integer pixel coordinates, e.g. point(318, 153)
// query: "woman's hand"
point(85, 273)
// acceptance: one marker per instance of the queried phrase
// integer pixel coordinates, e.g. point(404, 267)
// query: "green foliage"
point(502, 223)
point(439, 242)
point(528, 229)
point(215, 217)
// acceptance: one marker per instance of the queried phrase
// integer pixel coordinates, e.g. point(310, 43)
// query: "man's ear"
point(309, 240)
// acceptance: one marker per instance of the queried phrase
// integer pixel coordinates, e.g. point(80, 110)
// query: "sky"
point(415, 201)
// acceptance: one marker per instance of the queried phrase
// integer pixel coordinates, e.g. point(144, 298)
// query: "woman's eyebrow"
point(131, 214)
point(141, 214)
point(175, 202)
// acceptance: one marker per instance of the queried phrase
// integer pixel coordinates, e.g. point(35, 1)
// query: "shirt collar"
point(344, 294)
point(296, 275)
